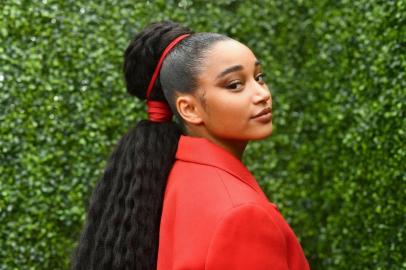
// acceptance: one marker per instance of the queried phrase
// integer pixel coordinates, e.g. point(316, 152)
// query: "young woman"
point(175, 194)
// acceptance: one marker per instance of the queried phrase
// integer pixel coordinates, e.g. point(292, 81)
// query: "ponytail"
point(123, 220)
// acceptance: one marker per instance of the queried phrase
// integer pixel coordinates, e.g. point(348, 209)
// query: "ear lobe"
point(188, 109)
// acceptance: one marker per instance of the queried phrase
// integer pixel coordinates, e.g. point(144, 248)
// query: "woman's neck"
point(235, 147)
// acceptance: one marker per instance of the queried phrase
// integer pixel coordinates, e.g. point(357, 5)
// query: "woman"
point(175, 195)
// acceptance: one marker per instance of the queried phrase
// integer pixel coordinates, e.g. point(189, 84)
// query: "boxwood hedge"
point(335, 164)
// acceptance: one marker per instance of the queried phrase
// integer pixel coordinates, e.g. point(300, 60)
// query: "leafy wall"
point(335, 164)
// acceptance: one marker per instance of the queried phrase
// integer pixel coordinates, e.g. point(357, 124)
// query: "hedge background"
point(335, 163)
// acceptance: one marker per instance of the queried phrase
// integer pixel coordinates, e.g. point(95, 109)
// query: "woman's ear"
point(189, 109)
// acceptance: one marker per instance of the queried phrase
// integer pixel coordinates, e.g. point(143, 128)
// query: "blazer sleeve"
point(247, 238)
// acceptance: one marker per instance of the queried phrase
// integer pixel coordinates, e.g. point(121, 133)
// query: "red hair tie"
point(159, 111)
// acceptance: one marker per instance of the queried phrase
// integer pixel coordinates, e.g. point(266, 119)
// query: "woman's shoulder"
point(201, 183)
point(209, 187)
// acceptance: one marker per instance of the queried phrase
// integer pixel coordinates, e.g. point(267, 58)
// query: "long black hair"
point(123, 218)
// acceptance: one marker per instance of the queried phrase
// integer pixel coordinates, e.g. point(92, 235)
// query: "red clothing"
point(215, 216)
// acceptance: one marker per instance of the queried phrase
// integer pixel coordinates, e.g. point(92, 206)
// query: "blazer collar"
point(203, 151)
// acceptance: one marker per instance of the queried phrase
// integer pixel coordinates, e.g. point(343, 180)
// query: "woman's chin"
point(262, 134)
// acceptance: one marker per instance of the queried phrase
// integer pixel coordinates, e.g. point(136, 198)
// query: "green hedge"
point(335, 164)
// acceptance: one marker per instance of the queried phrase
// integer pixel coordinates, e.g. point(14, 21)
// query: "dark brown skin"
point(230, 100)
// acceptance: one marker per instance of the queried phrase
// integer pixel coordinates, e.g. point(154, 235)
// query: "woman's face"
point(234, 91)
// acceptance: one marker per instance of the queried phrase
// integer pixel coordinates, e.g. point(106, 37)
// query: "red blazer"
point(215, 216)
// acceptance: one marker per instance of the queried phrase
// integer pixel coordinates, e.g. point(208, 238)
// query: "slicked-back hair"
point(123, 218)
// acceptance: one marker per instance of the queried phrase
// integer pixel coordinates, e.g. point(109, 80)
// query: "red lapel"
point(203, 151)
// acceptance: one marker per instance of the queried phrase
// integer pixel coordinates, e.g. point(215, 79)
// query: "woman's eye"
point(234, 85)
point(261, 77)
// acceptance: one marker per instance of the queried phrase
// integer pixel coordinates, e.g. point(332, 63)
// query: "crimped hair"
point(123, 218)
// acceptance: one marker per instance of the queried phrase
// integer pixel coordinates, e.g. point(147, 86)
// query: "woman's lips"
point(264, 118)
point(265, 111)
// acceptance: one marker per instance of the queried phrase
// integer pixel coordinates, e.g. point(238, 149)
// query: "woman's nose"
point(262, 94)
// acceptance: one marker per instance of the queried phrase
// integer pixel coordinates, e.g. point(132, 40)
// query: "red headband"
point(161, 60)
point(159, 111)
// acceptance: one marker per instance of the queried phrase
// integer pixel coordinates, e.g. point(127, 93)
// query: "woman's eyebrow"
point(229, 70)
point(234, 69)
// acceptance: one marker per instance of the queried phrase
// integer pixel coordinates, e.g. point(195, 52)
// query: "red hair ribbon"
point(159, 111)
